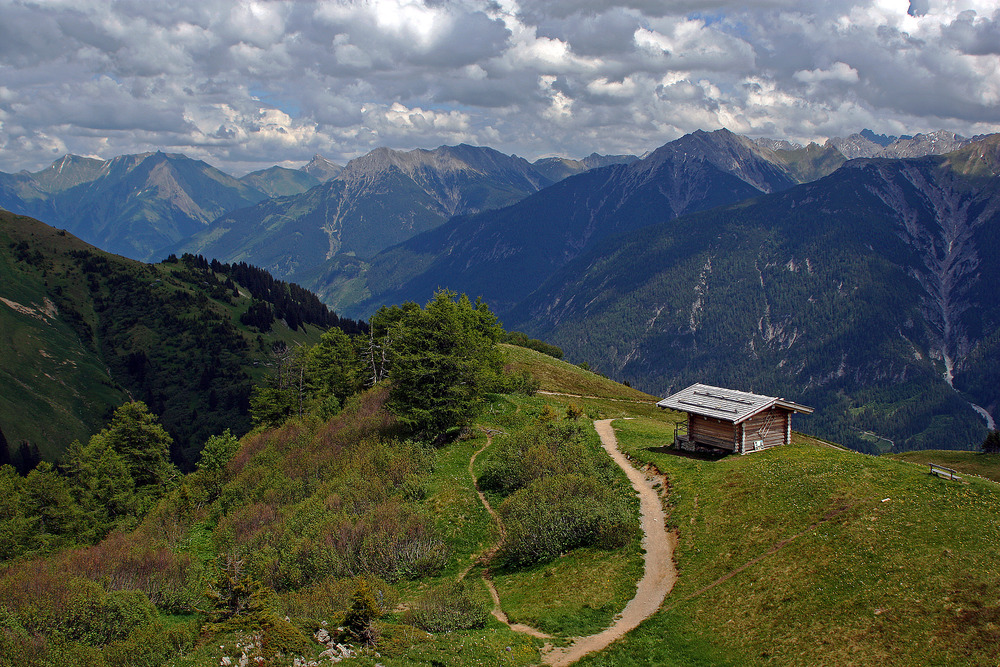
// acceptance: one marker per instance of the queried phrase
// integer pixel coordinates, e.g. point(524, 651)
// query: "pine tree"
point(235, 592)
point(442, 359)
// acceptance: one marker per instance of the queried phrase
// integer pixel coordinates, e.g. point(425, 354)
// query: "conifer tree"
point(441, 360)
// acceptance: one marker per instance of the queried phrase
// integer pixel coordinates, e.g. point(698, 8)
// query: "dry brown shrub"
point(247, 523)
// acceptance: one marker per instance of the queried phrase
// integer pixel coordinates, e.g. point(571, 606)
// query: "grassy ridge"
point(560, 376)
point(852, 560)
point(969, 463)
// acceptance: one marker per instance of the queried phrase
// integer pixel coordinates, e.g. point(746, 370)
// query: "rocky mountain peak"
point(446, 162)
point(777, 144)
point(880, 139)
point(732, 153)
point(934, 143)
point(855, 146)
point(67, 172)
point(321, 169)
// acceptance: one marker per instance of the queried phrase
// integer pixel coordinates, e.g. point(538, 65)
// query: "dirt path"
point(659, 575)
point(599, 398)
point(486, 556)
point(659, 572)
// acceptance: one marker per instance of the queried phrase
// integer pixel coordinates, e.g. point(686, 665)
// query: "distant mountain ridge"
point(558, 168)
point(868, 144)
point(280, 181)
point(133, 205)
point(377, 200)
point(529, 240)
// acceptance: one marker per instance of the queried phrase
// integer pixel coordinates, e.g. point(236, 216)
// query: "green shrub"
point(151, 645)
point(453, 606)
point(235, 591)
point(125, 611)
point(365, 610)
point(330, 597)
point(73, 608)
point(563, 512)
point(544, 449)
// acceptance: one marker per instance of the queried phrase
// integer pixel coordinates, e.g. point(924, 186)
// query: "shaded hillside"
point(865, 294)
point(280, 182)
point(132, 205)
point(87, 330)
point(525, 243)
point(378, 200)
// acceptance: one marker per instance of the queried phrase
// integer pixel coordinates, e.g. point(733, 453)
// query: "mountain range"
point(861, 284)
point(871, 292)
point(376, 201)
point(868, 291)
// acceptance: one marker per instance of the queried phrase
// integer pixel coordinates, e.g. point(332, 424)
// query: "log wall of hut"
point(770, 426)
point(713, 432)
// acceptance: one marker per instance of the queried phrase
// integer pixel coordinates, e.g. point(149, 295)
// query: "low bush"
point(453, 606)
point(43, 602)
point(550, 447)
point(563, 512)
point(330, 598)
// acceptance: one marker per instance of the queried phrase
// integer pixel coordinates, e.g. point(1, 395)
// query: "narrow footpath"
point(659, 576)
point(659, 573)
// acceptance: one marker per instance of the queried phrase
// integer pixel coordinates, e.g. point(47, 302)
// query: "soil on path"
point(659, 575)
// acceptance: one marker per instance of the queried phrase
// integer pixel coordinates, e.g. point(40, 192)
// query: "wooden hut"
point(735, 421)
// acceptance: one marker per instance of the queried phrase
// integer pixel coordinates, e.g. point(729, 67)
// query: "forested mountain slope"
point(866, 294)
point(527, 242)
point(84, 330)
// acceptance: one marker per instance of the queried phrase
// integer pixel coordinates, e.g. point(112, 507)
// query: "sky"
point(246, 85)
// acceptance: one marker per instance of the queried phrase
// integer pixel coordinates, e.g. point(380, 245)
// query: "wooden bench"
point(946, 473)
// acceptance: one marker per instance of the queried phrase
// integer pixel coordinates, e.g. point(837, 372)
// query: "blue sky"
point(244, 85)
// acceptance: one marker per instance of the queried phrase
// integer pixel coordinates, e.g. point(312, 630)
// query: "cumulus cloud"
point(247, 84)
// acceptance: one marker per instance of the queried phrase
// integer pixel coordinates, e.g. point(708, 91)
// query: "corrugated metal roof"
point(726, 404)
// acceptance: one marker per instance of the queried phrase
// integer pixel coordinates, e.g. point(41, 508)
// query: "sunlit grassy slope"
point(807, 554)
point(563, 377)
point(970, 463)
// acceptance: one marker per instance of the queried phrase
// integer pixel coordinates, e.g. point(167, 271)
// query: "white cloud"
point(838, 72)
point(257, 82)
